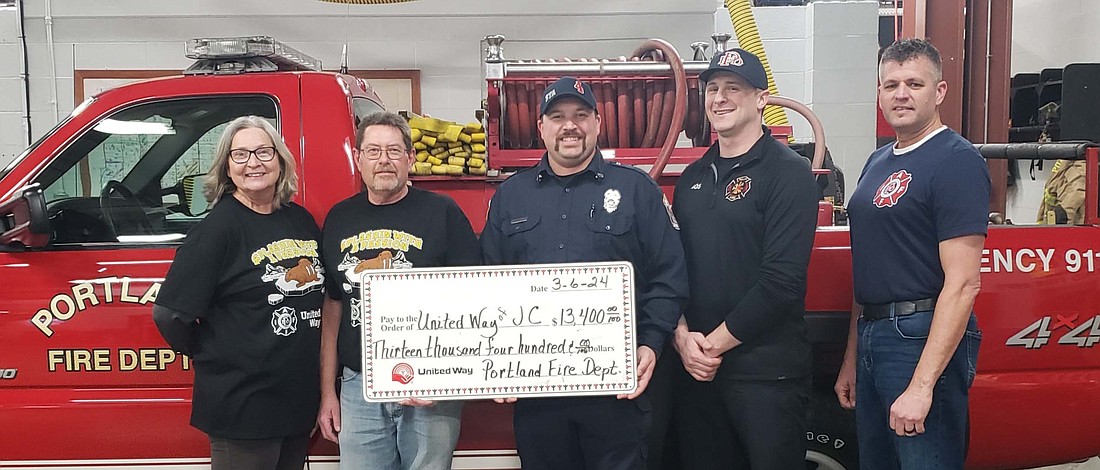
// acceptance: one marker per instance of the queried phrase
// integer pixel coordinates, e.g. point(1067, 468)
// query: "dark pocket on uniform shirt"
point(611, 232)
point(519, 238)
point(914, 326)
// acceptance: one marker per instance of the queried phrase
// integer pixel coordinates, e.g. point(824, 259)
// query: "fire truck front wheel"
point(832, 436)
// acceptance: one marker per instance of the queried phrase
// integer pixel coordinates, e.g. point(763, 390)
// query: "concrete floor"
point(1091, 464)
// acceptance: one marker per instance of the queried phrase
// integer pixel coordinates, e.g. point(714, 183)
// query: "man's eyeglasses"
point(392, 153)
point(263, 154)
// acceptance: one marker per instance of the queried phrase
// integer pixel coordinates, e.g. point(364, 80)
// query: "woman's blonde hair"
point(218, 182)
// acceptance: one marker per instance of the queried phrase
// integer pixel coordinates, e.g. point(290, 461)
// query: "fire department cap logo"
point(284, 322)
point(893, 189)
point(731, 58)
point(738, 62)
point(738, 188)
point(567, 87)
point(402, 373)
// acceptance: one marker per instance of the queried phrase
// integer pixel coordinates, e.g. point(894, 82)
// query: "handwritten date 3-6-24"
point(573, 283)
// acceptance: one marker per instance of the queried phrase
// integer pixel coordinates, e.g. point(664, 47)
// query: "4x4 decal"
point(1041, 331)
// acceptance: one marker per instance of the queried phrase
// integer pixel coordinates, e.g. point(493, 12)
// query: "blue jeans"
point(888, 353)
point(388, 436)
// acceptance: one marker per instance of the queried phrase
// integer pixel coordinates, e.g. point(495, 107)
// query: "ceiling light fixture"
point(368, 2)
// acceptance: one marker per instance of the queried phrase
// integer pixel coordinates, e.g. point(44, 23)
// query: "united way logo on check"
point(403, 373)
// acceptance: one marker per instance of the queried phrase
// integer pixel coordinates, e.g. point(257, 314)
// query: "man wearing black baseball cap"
point(576, 207)
point(747, 212)
point(570, 122)
point(739, 62)
point(567, 87)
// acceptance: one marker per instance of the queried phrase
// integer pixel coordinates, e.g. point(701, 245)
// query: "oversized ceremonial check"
point(498, 331)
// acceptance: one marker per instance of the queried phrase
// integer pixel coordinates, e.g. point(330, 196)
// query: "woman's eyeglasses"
point(263, 154)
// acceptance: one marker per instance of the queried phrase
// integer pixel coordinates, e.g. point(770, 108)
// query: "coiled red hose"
point(640, 113)
point(671, 124)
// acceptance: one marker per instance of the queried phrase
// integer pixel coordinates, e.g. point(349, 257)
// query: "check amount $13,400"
point(531, 330)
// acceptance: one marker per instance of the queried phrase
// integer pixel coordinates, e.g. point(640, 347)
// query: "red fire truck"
point(91, 214)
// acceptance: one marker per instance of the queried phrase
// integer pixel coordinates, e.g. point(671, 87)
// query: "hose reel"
point(644, 101)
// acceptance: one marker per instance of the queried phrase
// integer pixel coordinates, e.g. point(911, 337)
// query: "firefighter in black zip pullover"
point(747, 213)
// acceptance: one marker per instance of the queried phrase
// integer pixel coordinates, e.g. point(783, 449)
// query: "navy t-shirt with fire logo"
point(255, 284)
point(907, 201)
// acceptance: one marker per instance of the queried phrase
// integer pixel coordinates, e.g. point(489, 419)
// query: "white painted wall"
point(824, 55)
point(1053, 33)
point(442, 39)
point(12, 130)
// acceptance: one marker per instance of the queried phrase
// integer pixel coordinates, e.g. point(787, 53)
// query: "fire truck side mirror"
point(194, 201)
point(23, 220)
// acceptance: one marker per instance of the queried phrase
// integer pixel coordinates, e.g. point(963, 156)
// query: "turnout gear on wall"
point(1064, 194)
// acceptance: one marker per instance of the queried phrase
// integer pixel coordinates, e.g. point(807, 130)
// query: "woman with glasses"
point(243, 300)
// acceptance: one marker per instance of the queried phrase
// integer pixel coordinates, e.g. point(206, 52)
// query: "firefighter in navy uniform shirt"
point(576, 207)
point(918, 223)
point(747, 212)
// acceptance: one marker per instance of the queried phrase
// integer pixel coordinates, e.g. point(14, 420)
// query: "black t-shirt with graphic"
point(254, 283)
point(421, 230)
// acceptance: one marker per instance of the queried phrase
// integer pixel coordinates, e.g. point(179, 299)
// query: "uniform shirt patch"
point(668, 208)
point(611, 199)
point(892, 189)
point(738, 188)
point(696, 186)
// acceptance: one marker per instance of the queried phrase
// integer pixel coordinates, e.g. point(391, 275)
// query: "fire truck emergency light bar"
point(223, 51)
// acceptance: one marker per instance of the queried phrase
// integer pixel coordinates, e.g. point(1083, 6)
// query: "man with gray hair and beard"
point(407, 228)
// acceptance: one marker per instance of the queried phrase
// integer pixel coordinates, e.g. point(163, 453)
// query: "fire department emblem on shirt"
point(356, 313)
point(892, 189)
point(738, 188)
point(284, 322)
point(611, 199)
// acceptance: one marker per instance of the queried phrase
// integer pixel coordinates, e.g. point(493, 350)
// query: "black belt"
point(872, 312)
